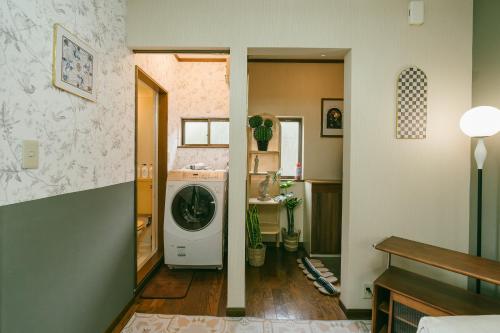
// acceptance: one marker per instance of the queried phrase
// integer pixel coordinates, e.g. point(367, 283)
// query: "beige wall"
point(412, 188)
point(296, 89)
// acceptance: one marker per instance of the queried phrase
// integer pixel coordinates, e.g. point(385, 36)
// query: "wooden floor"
point(278, 290)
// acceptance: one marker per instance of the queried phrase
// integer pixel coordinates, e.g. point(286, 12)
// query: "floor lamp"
point(480, 122)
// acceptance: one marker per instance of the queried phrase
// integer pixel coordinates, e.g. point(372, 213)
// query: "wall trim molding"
point(300, 61)
point(356, 314)
point(213, 51)
point(235, 312)
point(186, 59)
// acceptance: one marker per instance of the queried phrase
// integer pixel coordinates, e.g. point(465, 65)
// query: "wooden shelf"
point(324, 181)
point(436, 294)
point(255, 201)
point(269, 229)
point(255, 152)
point(406, 321)
point(384, 307)
point(268, 161)
point(260, 174)
point(465, 264)
point(401, 297)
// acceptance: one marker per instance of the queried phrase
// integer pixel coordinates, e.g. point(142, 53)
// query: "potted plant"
point(262, 131)
point(290, 202)
point(256, 249)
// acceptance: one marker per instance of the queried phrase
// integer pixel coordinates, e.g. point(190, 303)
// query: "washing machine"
point(195, 218)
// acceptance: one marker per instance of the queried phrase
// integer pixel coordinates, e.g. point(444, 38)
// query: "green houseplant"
point(256, 248)
point(262, 131)
point(290, 202)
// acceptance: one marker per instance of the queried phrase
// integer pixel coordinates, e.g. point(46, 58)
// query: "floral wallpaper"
point(83, 145)
point(195, 90)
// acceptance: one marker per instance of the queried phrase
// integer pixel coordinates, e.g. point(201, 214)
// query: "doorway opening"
point(151, 163)
point(187, 200)
point(294, 185)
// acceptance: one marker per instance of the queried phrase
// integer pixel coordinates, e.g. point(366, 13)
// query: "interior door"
point(151, 172)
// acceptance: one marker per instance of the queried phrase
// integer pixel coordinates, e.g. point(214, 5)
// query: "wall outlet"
point(367, 291)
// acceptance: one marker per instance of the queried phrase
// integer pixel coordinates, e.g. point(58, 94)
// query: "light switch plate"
point(30, 154)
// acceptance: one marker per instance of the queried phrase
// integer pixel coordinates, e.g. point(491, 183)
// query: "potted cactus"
point(262, 131)
point(290, 202)
point(256, 248)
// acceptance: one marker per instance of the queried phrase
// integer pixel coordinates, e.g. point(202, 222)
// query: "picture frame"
point(332, 117)
point(74, 65)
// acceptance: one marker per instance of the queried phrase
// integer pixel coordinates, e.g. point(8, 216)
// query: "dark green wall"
point(486, 91)
point(67, 262)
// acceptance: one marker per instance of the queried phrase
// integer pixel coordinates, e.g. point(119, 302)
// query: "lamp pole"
point(480, 156)
point(480, 122)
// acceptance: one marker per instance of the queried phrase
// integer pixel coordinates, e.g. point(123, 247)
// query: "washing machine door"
point(193, 207)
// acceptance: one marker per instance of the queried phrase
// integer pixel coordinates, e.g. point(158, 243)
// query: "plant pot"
point(290, 242)
point(257, 257)
point(262, 145)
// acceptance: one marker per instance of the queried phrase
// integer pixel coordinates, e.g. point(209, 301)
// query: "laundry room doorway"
point(150, 171)
point(187, 275)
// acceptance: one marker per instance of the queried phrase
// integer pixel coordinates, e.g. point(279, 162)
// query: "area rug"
point(154, 323)
point(167, 283)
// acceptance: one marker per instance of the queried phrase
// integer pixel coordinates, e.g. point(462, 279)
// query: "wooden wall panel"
point(326, 224)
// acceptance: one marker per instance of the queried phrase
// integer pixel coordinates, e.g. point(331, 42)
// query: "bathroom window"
point(205, 132)
point(291, 145)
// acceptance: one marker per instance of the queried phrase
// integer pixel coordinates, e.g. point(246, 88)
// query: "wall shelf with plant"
point(263, 165)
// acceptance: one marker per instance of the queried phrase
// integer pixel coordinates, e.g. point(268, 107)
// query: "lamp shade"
point(481, 121)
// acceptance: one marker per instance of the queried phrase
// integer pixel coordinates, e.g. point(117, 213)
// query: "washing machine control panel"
point(204, 175)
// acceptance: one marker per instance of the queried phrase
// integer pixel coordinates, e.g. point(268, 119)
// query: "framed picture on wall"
point(74, 64)
point(332, 117)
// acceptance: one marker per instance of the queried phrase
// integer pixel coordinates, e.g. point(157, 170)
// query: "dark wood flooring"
point(278, 290)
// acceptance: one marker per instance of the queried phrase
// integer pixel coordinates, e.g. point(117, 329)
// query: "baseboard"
point(118, 318)
point(356, 314)
point(137, 291)
point(235, 312)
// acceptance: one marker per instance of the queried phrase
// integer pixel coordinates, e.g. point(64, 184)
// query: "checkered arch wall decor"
point(411, 117)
